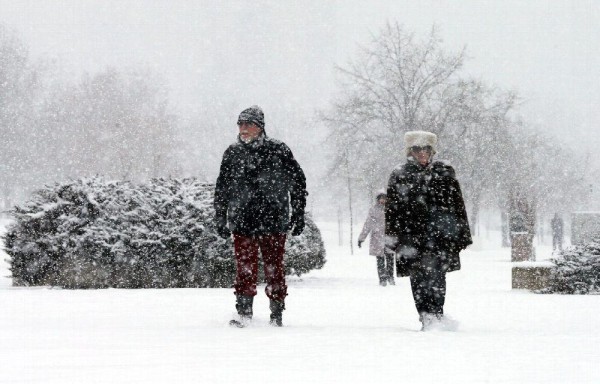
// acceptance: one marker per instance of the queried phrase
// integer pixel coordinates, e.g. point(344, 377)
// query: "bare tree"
point(18, 91)
point(400, 83)
point(112, 123)
point(477, 141)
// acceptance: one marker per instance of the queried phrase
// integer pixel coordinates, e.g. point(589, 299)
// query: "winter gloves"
point(391, 244)
point(360, 243)
point(296, 224)
point(404, 250)
point(222, 229)
point(408, 252)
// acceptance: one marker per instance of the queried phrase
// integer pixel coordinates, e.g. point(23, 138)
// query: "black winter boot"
point(243, 304)
point(277, 308)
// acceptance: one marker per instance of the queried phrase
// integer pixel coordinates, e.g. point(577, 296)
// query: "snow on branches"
point(92, 233)
point(576, 271)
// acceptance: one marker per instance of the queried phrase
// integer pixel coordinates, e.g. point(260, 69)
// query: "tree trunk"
point(522, 220)
point(474, 219)
point(504, 229)
point(351, 221)
point(340, 227)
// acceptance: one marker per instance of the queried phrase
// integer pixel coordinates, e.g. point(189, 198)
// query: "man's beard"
point(247, 140)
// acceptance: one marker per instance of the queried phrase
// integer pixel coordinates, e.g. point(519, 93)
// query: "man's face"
point(248, 131)
point(421, 154)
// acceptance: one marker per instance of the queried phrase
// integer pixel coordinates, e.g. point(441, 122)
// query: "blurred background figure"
point(557, 232)
point(375, 225)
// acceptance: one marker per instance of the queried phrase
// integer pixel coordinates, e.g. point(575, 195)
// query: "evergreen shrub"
point(576, 270)
point(92, 233)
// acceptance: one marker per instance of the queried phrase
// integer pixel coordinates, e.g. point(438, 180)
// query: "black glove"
point(360, 243)
point(223, 231)
point(296, 224)
point(221, 225)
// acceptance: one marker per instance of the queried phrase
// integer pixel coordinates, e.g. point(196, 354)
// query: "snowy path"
point(340, 327)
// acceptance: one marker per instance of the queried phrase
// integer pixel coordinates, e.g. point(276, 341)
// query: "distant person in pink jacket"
point(375, 225)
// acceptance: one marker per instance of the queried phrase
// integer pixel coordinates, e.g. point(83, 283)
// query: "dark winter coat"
point(257, 183)
point(425, 210)
point(557, 226)
point(375, 225)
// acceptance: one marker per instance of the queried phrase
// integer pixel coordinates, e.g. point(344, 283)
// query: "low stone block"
point(531, 275)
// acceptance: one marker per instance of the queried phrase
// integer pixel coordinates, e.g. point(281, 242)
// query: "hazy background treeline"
point(120, 123)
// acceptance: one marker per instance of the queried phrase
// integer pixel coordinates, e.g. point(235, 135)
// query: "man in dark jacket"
point(426, 224)
point(258, 181)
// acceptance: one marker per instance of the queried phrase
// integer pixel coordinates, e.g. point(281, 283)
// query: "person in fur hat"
point(375, 226)
point(258, 182)
point(426, 224)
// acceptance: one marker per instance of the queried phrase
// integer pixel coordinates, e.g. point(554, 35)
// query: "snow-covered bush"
point(576, 270)
point(91, 233)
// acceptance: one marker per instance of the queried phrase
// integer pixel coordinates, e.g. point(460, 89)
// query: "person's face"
point(382, 200)
point(421, 154)
point(248, 131)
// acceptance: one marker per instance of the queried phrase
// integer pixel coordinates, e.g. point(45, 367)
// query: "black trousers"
point(557, 242)
point(428, 283)
point(385, 267)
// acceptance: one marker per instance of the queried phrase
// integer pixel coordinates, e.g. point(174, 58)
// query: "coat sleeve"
point(397, 225)
point(367, 226)
point(464, 232)
point(297, 179)
point(392, 206)
point(223, 189)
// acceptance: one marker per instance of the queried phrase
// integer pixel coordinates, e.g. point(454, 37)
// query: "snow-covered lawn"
point(340, 327)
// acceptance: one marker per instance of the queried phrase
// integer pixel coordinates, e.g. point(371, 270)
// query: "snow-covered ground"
point(340, 327)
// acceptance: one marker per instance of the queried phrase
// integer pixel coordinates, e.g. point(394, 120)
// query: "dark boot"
point(277, 308)
point(243, 304)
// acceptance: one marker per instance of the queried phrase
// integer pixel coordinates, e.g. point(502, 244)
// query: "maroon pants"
point(272, 248)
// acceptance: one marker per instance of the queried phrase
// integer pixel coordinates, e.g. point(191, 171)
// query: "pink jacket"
point(375, 225)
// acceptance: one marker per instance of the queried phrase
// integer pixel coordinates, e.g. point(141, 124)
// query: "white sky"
point(274, 52)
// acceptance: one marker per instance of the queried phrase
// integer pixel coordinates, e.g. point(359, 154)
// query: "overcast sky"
point(274, 52)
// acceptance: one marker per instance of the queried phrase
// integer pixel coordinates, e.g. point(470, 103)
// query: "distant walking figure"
point(557, 232)
point(258, 182)
point(375, 226)
point(426, 224)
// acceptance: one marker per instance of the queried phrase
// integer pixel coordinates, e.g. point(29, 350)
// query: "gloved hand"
point(391, 243)
point(360, 243)
point(407, 252)
point(223, 231)
point(296, 224)
point(221, 225)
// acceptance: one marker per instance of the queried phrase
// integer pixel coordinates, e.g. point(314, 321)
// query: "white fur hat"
point(420, 139)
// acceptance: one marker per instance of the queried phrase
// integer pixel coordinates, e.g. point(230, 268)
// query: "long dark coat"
point(426, 210)
point(257, 183)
